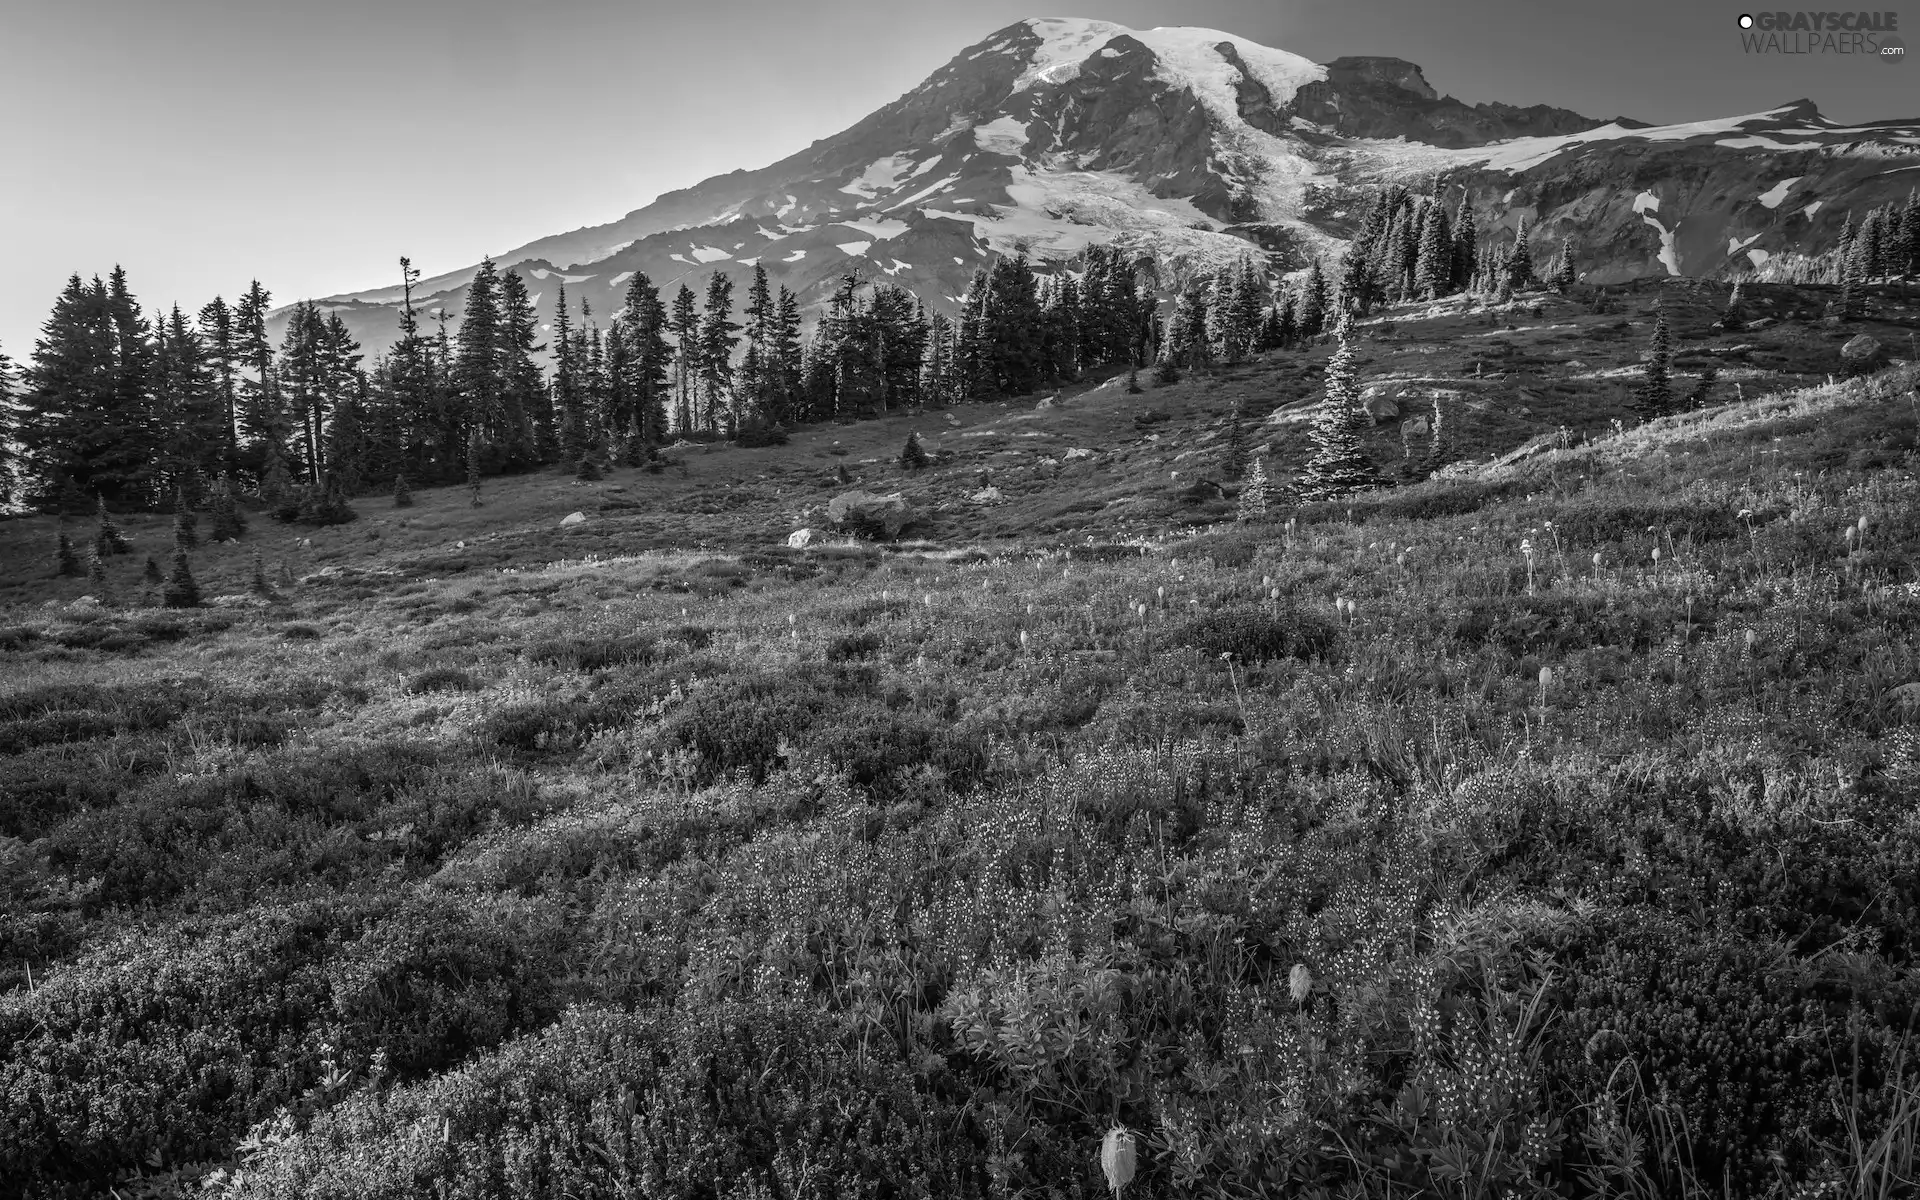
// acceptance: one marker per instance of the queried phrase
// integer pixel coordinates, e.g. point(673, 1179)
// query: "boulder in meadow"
point(800, 539)
point(572, 519)
point(1863, 353)
point(870, 514)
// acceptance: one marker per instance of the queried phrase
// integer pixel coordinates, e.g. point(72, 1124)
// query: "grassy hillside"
point(1549, 826)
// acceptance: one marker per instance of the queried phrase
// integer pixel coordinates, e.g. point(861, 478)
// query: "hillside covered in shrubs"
point(1546, 826)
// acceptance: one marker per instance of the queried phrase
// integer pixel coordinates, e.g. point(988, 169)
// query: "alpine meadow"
point(1155, 618)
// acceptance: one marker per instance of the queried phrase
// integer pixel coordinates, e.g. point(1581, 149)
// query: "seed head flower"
point(1299, 983)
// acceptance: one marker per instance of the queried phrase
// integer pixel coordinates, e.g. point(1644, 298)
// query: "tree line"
point(149, 410)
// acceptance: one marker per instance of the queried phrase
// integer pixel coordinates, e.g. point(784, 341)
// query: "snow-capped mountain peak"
point(1201, 147)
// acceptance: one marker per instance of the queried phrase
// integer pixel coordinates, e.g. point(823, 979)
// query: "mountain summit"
point(1202, 147)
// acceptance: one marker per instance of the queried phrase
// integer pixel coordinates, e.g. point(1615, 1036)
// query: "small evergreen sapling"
point(402, 494)
point(109, 540)
point(152, 572)
point(179, 590)
point(97, 573)
point(258, 584)
point(228, 524)
point(1255, 494)
point(186, 526)
point(913, 456)
point(474, 449)
point(1655, 396)
point(1236, 454)
point(65, 562)
point(1439, 439)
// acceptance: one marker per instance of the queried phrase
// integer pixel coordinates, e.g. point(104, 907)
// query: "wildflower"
point(1117, 1156)
point(1746, 514)
point(1299, 983)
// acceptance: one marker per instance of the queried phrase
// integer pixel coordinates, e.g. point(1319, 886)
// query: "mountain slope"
point(1200, 147)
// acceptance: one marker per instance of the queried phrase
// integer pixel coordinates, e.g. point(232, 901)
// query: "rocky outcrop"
point(1372, 97)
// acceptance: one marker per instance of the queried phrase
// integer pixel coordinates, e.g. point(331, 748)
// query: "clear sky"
point(311, 143)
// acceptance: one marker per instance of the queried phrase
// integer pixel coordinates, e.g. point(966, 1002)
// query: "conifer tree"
point(476, 448)
point(1848, 307)
point(85, 423)
point(227, 524)
point(1702, 391)
point(184, 535)
point(1339, 466)
point(180, 590)
point(1436, 254)
point(1520, 274)
point(402, 494)
point(276, 482)
point(97, 574)
point(151, 572)
point(65, 562)
point(717, 339)
point(1655, 395)
point(1312, 308)
point(479, 374)
point(526, 417)
point(1133, 381)
point(107, 536)
point(1440, 449)
point(1255, 493)
point(257, 582)
point(1735, 318)
point(1564, 276)
point(645, 369)
point(1466, 245)
point(6, 431)
point(223, 364)
point(186, 407)
point(913, 456)
point(260, 417)
point(1235, 458)
point(684, 325)
point(568, 402)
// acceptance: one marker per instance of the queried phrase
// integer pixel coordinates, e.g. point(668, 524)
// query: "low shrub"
point(1252, 635)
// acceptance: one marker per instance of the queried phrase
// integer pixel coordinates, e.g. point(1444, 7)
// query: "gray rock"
point(800, 539)
point(870, 513)
point(1863, 353)
point(572, 519)
point(1414, 426)
point(1381, 408)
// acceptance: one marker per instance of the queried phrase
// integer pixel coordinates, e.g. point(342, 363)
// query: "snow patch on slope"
point(854, 247)
point(881, 175)
point(1735, 245)
point(705, 254)
point(1003, 135)
point(1758, 257)
point(1772, 197)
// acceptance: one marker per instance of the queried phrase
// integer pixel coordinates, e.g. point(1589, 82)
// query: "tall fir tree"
point(187, 407)
point(1339, 466)
point(1654, 397)
point(568, 401)
point(527, 429)
point(217, 334)
point(1520, 273)
point(647, 368)
point(1466, 244)
point(260, 417)
point(6, 430)
point(479, 362)
point(718, 337)
point(683, 324)
point(76, 437)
